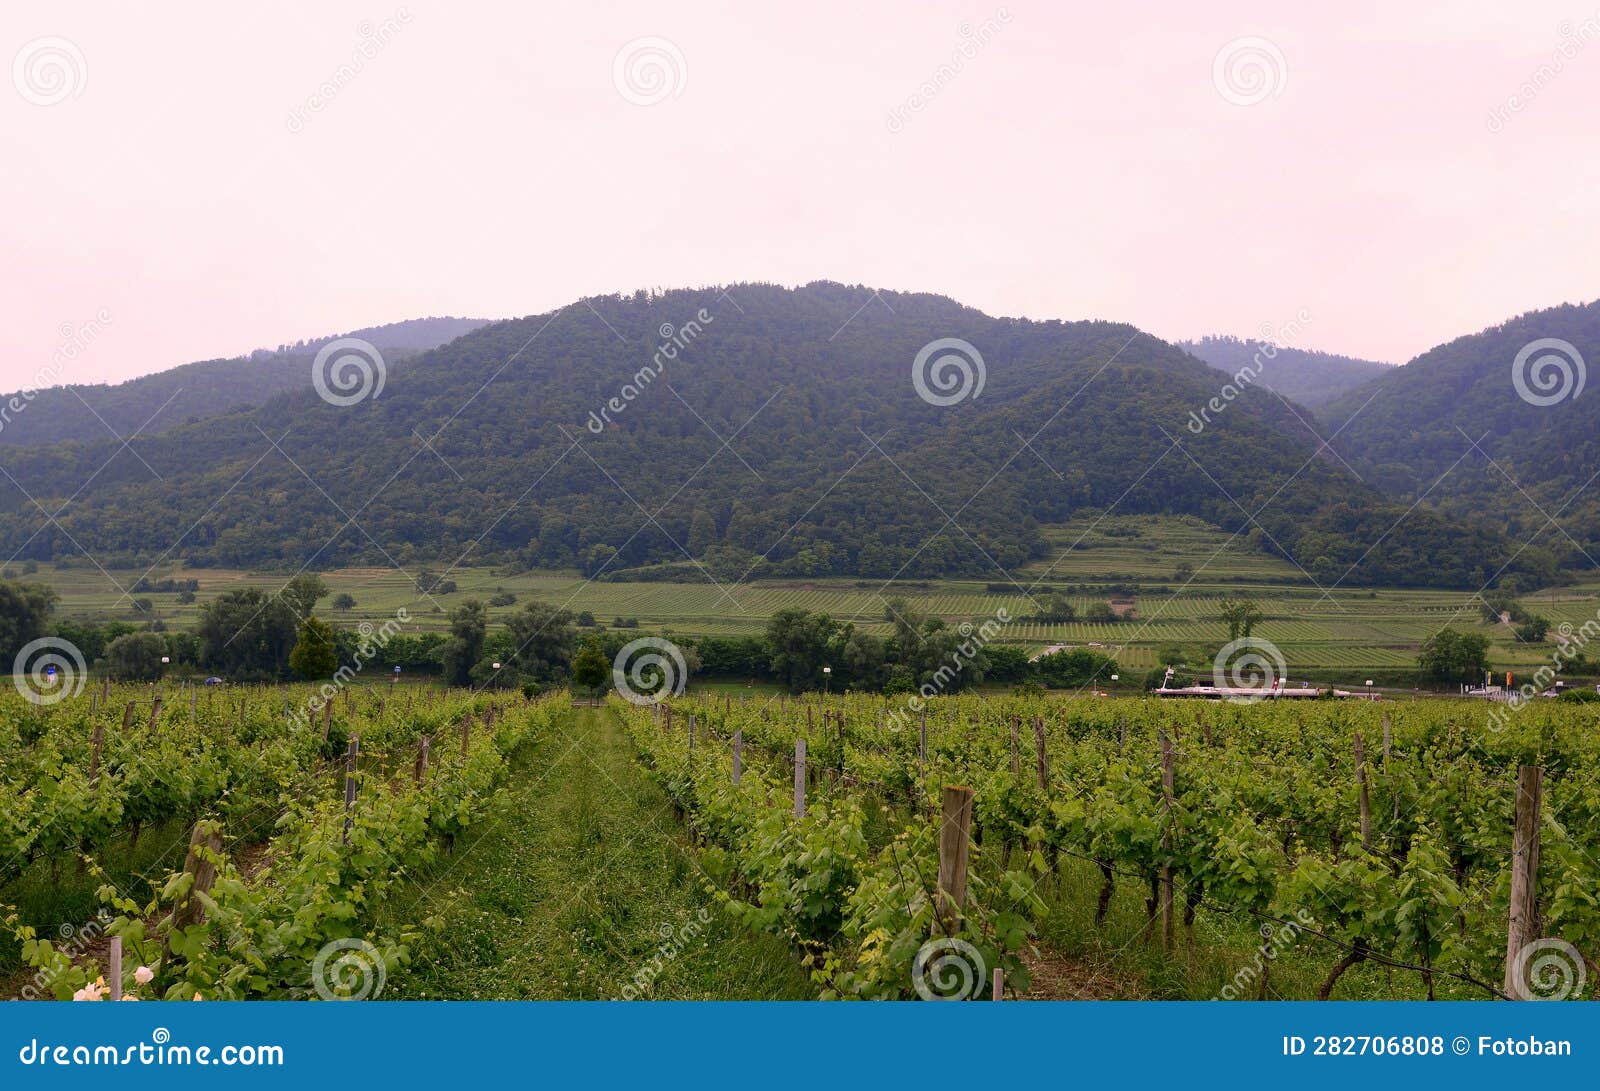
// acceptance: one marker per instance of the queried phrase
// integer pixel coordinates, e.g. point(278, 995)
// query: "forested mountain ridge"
point(162, 401)
point(1308, 377)
point(749, 430)
point(1502, 425)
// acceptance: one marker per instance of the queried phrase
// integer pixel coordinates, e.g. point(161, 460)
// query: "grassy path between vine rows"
point(570, 891)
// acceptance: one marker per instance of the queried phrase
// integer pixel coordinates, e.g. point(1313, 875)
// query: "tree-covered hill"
point(1535, 425)
point(163, 401)
point(750, 430)
point(1310, 378)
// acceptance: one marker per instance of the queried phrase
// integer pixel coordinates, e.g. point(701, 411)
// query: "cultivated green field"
point(1334, 636)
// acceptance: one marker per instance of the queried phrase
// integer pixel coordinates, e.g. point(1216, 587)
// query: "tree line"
point(254, 635)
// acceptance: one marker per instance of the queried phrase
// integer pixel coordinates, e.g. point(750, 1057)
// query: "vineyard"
point(304, 826)
point(969, 847)
point(1348, 632)
point(1378, 836)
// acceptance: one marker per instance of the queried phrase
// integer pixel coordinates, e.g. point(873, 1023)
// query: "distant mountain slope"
point(1311, 378)
point(1412, 431)
point(169, 398)
point(754, 430)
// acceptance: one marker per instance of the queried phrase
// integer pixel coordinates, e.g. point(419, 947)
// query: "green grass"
point(1340, 637)
point(570, 891)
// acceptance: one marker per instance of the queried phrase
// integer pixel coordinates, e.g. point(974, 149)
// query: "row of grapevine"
point(75, 774)
point(1383, 830)
point(852, 884)
point(292, 916)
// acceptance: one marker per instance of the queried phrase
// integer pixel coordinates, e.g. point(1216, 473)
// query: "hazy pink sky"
point(1083, 163)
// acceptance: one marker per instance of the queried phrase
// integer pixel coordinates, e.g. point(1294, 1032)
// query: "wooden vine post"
point(466, 732)
point(1361, 794)
point(205, 845)
point(127, 718)
point(155, 714)
point(420, 773)
point(738, 757)
point(693, 722)
point(95, 744)
point(1016, 746)
point(922, 737)
point(1167, 800)
point(1041, 754)
point(955, 831)
point(327, 719)
point(351, 753)
point(115, 971)
point(799, 778)
point(1524, 915)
